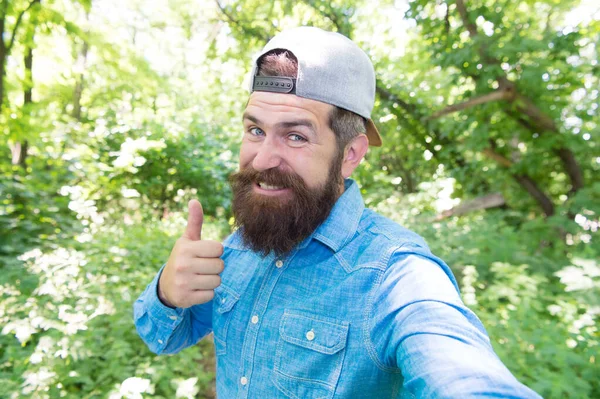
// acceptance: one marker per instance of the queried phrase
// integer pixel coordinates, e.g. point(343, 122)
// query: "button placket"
point(250, 339)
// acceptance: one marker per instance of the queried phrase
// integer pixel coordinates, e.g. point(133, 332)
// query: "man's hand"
point(192, 271)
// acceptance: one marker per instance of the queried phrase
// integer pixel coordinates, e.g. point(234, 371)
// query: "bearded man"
point(315, 296)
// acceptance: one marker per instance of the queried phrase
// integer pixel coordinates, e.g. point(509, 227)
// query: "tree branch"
point(497, 95)
point(502, 160)
point(387, 95)
point(485, 202)
point(330, 16)
point(250, 31)
point(538, 121)
point(416, 115)
point(17, 23)
point(525, 181)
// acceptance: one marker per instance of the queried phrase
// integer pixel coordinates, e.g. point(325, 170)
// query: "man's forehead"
point(278, 102)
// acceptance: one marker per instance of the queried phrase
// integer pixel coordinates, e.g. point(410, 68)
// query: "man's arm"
point(422, 327)
point(186, 283)
point(169, 330)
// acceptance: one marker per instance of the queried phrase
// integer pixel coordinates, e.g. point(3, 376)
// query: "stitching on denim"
point(168, 325)
point(279, 353)
point(225, 312)
point(290, 394)
point(248, 351)
point(324, 384)
point(340, 329)
point(282, 389)
point(330, 389)
point(367, 319)
point(345, 265)
point(325, 240)
point(222, 348)
point(230, 291)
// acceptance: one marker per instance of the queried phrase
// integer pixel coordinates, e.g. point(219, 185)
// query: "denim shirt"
point(360, 309)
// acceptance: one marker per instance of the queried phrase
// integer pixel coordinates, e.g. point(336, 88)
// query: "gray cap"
point(331, 69)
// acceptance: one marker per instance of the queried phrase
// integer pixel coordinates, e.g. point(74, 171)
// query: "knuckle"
point(180, 284)
point(220, 266)
point(214, 247)
point(209, 295)
point(180, 266)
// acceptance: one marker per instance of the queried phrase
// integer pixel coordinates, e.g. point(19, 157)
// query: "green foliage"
point(68, 321)
point(136, 109)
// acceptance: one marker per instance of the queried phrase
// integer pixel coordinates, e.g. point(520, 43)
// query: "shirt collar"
point(342, 222)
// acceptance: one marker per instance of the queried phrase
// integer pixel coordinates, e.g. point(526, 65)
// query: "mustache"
point(272, 177)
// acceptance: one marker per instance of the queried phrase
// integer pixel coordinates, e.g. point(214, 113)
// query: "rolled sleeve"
point(168, 330)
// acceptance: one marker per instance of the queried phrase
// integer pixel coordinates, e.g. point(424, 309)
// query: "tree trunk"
point(19, 149)
point(81, 64)
point(19, 156)
point(4, 48)
point(3, 53)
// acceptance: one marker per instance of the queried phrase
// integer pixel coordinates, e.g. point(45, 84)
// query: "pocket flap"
point(225, 299)
point(314, 332)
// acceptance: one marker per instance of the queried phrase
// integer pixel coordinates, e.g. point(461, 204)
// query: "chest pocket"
point(225, 300)
point(309, 356)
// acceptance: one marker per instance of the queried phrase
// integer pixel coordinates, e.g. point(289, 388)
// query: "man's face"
point(290, 171)
point(288, 133)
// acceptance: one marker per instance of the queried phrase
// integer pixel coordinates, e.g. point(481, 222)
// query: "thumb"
point(193, 230)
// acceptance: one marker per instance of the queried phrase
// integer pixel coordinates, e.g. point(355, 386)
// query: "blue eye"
point(255, 131)
point(296, 137)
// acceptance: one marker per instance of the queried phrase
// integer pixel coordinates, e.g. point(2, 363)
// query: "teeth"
point(265, 186)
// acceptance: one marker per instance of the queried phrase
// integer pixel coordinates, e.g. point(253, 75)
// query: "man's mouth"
point(269, 187)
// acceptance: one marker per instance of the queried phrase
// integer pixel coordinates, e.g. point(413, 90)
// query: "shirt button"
point(160, 341)
point(254, 319)
point(173, 317)
point(243, 380)
point(279, 263)
point(310, 335)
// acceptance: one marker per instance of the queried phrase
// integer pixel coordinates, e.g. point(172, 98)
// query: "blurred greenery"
point(113, 114)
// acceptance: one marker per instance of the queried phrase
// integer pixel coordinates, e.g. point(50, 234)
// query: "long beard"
point(277, 224)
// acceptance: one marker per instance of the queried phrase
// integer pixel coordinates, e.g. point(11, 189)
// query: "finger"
point(202, 266)
point(193, 230)
point(201, 296)
point(205, 282)
point(205, 249)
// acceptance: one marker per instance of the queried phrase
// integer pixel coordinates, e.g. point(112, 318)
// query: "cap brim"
point(373, 134)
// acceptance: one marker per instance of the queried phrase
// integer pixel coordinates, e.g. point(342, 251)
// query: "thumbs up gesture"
point(192, 271)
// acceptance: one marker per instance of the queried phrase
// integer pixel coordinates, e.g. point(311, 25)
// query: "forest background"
point(113, 114)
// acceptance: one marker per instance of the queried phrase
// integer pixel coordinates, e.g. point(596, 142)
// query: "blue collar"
point(342, 222)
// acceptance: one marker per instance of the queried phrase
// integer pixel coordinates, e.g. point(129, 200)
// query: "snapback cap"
point(331, 69)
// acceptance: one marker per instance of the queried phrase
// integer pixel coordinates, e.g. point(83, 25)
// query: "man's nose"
point(268, 156)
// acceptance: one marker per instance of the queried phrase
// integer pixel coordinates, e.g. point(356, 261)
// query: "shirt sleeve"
point(421, 326)
point(168, 330)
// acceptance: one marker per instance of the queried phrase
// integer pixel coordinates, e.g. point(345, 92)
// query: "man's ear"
point(353, 154)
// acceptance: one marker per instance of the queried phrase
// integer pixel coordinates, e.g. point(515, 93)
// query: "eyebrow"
point(283, 125)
